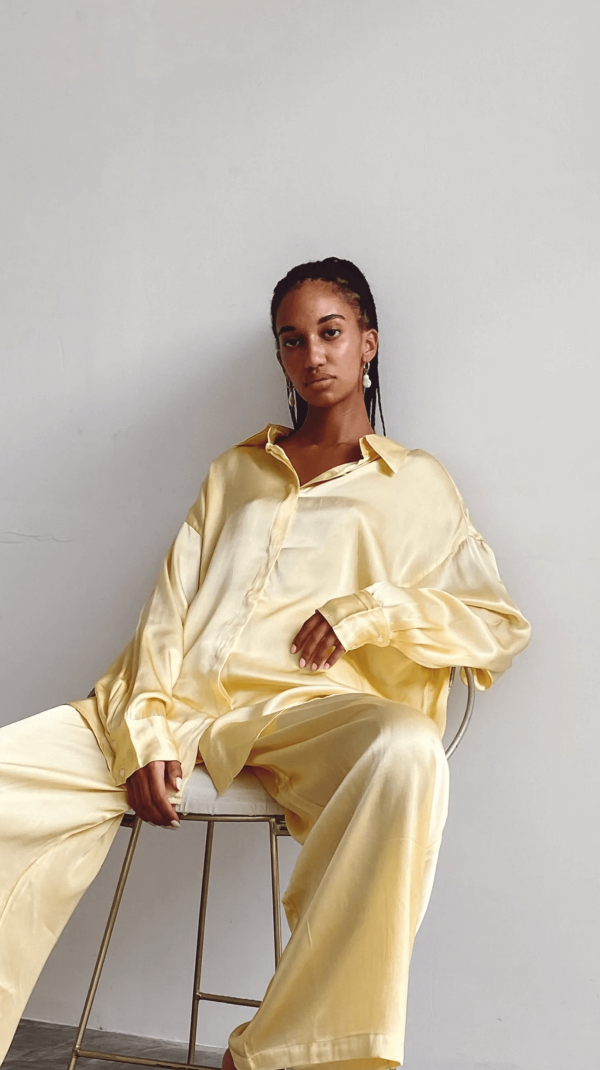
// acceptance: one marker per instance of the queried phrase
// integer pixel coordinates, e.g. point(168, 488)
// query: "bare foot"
point(228, 1063)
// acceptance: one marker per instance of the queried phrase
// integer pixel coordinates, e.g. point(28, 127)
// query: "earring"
point(291, 395)
point(366, 381)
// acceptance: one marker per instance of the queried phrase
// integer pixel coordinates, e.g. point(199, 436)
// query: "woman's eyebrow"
point(331, 316)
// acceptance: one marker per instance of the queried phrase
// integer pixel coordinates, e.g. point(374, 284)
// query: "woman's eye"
point(332, 332)
point(292, 343)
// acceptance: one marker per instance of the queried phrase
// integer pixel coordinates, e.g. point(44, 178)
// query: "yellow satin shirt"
point(382, 546)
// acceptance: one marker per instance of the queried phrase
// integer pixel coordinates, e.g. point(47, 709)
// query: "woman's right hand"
point(147, 792)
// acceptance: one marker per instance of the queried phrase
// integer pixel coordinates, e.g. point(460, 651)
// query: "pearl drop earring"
point(366, 381)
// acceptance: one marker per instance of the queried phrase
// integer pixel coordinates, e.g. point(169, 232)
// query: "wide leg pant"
point(364, 782)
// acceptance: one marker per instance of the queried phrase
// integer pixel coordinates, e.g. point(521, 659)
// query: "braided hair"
point(351, 282)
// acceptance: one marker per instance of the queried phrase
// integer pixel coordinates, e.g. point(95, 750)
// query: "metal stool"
point(244, 800)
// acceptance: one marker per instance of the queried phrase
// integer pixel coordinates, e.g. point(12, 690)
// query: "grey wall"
point(165, 164)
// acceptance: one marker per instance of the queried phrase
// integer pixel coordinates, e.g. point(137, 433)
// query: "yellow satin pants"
point(364, 782)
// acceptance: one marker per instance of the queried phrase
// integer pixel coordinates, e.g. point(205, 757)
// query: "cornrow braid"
point(355, 288)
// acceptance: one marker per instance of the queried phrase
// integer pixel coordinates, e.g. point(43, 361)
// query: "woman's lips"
point(319, 382)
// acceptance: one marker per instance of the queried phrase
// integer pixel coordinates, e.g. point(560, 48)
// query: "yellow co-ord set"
point(385, 549)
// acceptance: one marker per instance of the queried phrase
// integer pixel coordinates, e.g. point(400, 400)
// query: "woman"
point(304, 623)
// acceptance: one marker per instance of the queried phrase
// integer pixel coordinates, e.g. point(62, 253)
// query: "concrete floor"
point(48, 1047)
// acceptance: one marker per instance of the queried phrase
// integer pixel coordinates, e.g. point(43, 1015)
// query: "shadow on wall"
point(147, 984)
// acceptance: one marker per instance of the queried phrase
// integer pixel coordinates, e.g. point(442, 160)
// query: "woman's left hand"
point(317, 643)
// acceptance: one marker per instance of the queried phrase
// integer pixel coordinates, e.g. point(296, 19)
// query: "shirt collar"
point(267, 435)
point(391, 452)
point(371, 445)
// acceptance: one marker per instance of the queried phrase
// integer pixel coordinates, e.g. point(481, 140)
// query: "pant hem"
point(373, 1050)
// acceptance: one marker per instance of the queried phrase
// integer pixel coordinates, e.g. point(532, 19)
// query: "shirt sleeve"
point(459, 614)
point(135, 695)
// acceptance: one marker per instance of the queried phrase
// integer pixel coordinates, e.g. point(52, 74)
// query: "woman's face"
point(322, 346)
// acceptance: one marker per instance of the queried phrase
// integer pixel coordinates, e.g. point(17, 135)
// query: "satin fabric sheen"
point(383, 547)
point(364, 784)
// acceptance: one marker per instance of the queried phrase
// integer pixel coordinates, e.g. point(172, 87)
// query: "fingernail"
point(175, 824)
point(179, 783)
point(314, 667)
point(302, 663)
point(327, 665)
point(293, 648)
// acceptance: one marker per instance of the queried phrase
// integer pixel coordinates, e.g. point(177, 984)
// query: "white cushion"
point(245, 796)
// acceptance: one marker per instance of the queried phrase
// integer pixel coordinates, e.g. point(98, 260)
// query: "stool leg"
point(110, 925)
point(275, 890)
point(210, 831)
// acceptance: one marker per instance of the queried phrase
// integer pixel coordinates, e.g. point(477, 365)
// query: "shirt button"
point(380, 639)
point(121, 772)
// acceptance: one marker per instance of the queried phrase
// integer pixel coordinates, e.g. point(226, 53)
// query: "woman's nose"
point(315, 355)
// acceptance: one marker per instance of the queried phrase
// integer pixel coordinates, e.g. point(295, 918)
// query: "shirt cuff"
point(357, 619)
point(135, 743)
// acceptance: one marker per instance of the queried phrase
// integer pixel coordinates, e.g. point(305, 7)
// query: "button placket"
point(282, 521)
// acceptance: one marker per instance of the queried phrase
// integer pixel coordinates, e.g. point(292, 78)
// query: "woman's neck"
point(328, 427)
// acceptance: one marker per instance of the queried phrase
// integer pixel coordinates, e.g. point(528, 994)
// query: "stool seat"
point(245, 796)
